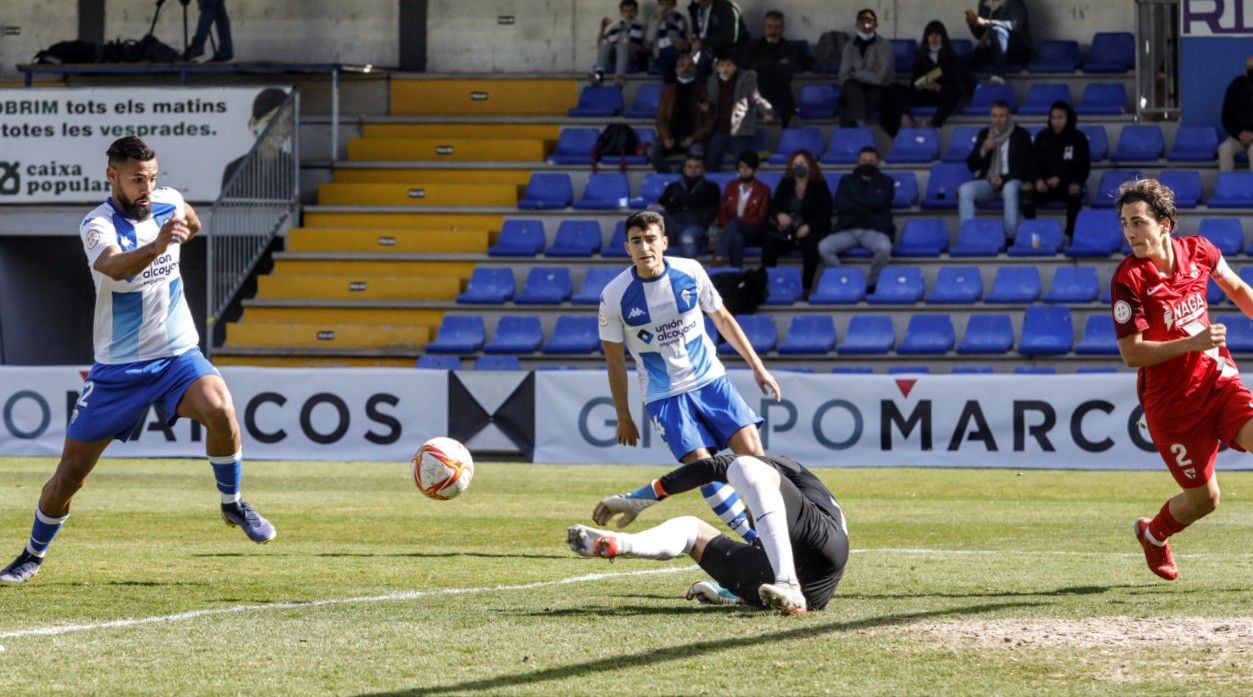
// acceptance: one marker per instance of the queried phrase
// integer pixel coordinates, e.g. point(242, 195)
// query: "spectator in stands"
point(1001, 160)
point(620, 42)
point(1062, 165)
point(212, 14)
point(717, 27)
point(743, 214)
point(801, 216)
point(1003, 31)
point(734, 101)
point(776, 60)
point(683, 119)
point(690, 204)
point(936, 78)
point(863, 209)
point(666, 35)
point(1238, 119)
point(867, 71)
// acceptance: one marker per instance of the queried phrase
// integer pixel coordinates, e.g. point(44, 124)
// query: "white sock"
point(753, 479)
point(671, 539)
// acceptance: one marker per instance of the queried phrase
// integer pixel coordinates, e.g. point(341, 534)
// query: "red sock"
point(1164, 524)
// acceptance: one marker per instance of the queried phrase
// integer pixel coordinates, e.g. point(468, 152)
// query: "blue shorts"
point(115, 398)
point(703, 418)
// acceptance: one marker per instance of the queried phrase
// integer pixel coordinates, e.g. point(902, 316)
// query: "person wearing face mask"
point(690, 205)
point(1063, 163)
point(683, 119)
point(863, 207)
point(867, 75)
point(935, 80)
point(1001, 160)
point(735, 102)
point(801, 218)
point(743, 212)
point(776, 60)
point(1238, 119)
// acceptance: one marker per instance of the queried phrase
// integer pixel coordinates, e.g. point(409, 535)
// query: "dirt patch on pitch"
point(1093, 632)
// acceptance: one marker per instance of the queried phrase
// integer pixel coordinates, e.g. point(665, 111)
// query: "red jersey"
point(1163, 307)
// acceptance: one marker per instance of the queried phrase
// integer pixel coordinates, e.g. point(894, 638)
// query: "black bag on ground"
point(122, 51)
point(741, 291)
point(66, 52)
point(156, 52)
point(616, 139)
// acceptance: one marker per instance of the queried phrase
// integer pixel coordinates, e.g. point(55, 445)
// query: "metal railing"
point(1157, 60)
point(258, 202)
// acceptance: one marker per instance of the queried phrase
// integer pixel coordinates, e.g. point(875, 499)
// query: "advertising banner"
point(1216, 37)
point(55, 138)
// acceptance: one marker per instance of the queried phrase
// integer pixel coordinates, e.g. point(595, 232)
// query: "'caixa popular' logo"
point(10, 178)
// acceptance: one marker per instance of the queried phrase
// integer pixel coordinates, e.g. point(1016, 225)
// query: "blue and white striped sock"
point(43, 532)
point(727, 505)
point(228, 471)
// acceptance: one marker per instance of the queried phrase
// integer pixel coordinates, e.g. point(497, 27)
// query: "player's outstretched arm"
point(116, 264)
point(615, 362)
point(734, 334)
point(193, 221)
point(1138, 352)
point(626, 506)
point(1235, 288)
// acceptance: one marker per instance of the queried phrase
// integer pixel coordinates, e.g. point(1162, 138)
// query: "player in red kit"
point(1188, 385)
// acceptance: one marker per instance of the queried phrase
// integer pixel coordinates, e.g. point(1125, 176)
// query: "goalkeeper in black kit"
point(792, 567)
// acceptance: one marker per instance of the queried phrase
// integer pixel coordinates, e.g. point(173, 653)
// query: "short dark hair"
point(1157, 195)
point(629, 3)
point(774, 14)
point(728, 54)
point(998, 103)
point(750, 158)
point(869, 148)
point(129, 148)
point(867, 11)
point(645, 219)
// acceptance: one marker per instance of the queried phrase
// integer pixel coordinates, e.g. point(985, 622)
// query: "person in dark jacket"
point(863, 208)
point(1062, 165)
point(717, 27)
point(683, 119)
point(1003, 31)
point(690, 205)
point(743, 213)
point(776, 60)
point(801, 216)
point(1001, 161)
point(936, 79)
point(1238, 119)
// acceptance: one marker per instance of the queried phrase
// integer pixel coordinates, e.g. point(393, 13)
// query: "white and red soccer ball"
point(442, 468)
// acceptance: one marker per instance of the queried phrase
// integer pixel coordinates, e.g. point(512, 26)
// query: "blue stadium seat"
point(955, 285)
point(573, 334)
point(594, 281)
point(783, 285)
point(897, 284)
point(651, 189)
point(1102, 99)
point(1097, 234)
point(721, 179)
point(516, 334)
point(546, 191)
point(1035, 370)
point(831, 178)
point(497, 362)
point(605, 191)
point(575, 238)
point(906, 189)
point(644, 105)
point(518, 238)
point(903, 50)
point(488, 286)
point(1014, 284)
point(928, 334)
point(868, 335)
point(972, 370)
point(839, 285)
point(1098, 141)
point(909, 370)
point(545, 285)
point(598, 100)
point(1186, 183)
point(1041, 95)
point(1098, 337)
point(1046, 331)
point(1139, 143)
point(458, 334)
point(987, 334)
point(1052, 56)
point(1111, 179)
point(1233, 190)
point(845, 144)
point(962, 47)
point(853, 370)
point(644, 136)
point(1073, 284)
point(1226, 233)
point(1194, 144)
point(1239, 332)
point(942, 185)
point(922, 237)
point(985, 94)
point(915, 145)
point(960, 143)
point(980, 237)
point(818, 100)
point(430, 361)
point(1111, 52)
point(1214, 294)
point(793, 139)
point(761, 331)
point(574, 146)
point(617, 242)
point(1094, 369)
point(1042, 237)
point(772, 179)
point(809, 334)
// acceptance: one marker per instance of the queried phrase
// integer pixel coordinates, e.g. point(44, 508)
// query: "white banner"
point(55, 138)
point(1052, 421)
point(289, 414)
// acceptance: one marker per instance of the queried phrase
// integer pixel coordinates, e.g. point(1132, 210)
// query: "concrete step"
point(360, 287)
point(398, 241)
point(313, 314)
point(478, 96)
point(326, 335)
point(417, 176)
point(416, 270)
point(537, 131)
point(421, 195)
point(402, 219)
point(449, 149)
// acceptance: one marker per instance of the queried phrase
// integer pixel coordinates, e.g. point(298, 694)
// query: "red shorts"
point(1188, 435)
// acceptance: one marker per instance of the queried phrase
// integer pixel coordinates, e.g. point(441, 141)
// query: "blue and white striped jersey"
point(144, 316)
point(661, 320)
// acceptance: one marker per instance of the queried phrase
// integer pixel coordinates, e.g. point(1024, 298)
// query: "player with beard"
point(146, 350)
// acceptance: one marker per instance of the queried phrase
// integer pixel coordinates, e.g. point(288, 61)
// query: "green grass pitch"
point(974, 582)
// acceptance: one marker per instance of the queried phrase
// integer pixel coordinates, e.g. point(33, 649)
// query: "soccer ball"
point(442, 468)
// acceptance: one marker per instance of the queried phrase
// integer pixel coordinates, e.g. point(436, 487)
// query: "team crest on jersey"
point(1122, 311)
point(93, 239)
point(1192, 273)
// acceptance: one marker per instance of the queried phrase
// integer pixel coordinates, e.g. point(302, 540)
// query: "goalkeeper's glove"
point(626, 506)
